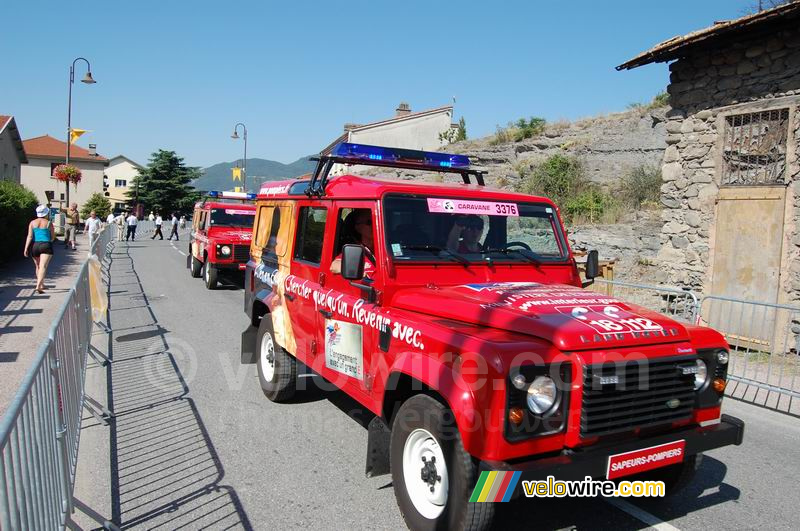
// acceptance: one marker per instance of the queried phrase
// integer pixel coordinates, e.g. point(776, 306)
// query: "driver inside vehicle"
point(465, 233)
point(356, 228)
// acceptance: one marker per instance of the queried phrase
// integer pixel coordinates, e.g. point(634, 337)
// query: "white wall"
point(120, 168)
point(9, 158)
point(415, 133)
point(36, 177)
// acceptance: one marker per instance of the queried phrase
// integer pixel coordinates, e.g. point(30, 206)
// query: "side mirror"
point(352, 262)
point(592, 265)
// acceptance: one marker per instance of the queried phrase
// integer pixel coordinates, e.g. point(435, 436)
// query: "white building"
point(119, 175)
point(44, 154)
point(410, 130)
point(12, 152)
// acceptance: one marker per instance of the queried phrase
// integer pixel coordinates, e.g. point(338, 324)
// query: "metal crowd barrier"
point(40, 431)
point(679, 304)
point(764, 339)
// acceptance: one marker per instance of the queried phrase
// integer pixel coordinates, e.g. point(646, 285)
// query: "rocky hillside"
point(609, 146)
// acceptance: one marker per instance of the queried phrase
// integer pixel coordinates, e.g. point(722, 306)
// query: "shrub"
point(528, 129)
point(17, 209)
point(97, 202)
point(641, 186)
point(561, 178)
point(659, 100)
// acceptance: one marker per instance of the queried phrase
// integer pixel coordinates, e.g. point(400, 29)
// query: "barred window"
point(754, 151)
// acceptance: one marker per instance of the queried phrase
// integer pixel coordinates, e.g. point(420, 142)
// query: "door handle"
point(327, 313)
point(289, 296)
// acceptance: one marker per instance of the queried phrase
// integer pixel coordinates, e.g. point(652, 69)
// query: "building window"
point(120, 183)
point(754, 149)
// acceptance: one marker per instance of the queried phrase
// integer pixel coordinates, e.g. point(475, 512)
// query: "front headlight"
point(542, 395)
point(701, 376)
point(225, 250)
point(722, 357)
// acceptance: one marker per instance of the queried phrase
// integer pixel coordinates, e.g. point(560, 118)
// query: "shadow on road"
point(166, 473)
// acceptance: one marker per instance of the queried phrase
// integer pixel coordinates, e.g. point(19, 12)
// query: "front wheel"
point(197, 267)
point(209, 275)
point(433, 475)
point(277, 369)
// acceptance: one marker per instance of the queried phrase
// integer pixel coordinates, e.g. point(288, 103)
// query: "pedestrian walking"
point(183, 222)
point(110, 218)
point(174, 228)
point(72, 222)
point(157, 232)
point(93, 228)
point(39, 244)
point(131, 222)
point(151, 217)
point(119, 221)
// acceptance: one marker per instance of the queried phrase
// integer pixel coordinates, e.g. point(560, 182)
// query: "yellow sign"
point(237, 189)
point(75, 134)
point(237, 174)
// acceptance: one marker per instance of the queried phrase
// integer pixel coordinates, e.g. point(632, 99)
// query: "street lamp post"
point(88, 80)
point(235, 135)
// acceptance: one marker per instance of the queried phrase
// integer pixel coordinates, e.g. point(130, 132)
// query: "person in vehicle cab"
point(464, 235)
point(357, 229)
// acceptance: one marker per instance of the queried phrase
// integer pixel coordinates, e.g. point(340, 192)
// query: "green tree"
point(17, 209)
point(163, 185)
point(461, 132)
point(97, 202)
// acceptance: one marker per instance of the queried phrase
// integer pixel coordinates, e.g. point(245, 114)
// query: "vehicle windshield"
point(462, 230)
point(232, 217)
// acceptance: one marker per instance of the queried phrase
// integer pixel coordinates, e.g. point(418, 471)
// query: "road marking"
point(642, 515)
point(184, 254)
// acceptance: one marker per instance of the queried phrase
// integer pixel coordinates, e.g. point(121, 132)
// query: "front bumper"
point(593, 462)
point(240, 266)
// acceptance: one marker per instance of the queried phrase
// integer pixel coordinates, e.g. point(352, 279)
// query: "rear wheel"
point(277, 369)
point(197, 266)
point(210, 275)
point(433, 475)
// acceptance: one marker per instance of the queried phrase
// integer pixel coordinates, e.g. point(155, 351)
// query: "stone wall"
point(743, 76)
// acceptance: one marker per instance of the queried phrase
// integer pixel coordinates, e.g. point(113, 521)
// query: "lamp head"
point(235, 135)
point(88, 79)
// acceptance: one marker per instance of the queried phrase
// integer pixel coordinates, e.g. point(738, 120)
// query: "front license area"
point(637, 461)
point(343, 348)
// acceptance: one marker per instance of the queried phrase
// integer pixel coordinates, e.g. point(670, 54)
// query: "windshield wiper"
point(443, 252)
point(530, 256)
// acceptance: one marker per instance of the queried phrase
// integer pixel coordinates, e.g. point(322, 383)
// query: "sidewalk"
point(26, 316)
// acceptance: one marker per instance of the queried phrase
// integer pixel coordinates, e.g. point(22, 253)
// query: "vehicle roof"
point(358, 187)
point(226, 204)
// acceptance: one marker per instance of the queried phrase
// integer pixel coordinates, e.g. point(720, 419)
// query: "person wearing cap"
point(39, 244)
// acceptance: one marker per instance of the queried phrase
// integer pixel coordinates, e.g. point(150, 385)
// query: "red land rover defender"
point(456, 315)
point(220, 239)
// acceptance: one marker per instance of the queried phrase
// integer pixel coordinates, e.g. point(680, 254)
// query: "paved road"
point(196, 444)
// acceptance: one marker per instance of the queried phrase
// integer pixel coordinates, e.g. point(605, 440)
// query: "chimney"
point(93, 150)
point(350, 127)
point(403, 109)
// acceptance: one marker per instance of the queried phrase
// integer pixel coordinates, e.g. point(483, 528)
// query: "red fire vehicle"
point(455, 314)
point(222, 225)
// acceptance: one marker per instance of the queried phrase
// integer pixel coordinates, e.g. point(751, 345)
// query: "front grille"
point(241, 253)
point(639, 399)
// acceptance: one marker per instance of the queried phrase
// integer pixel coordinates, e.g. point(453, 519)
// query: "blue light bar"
point(230, 195)
point(213, 193)
point(425, 159)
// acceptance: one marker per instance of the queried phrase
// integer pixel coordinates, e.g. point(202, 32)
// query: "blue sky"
point(178, 75)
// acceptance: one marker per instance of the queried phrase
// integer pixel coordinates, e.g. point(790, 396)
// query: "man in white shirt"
point(157, 232)
point(131, 221)
point(92, 227)
point(110, 218)
point(174, 228)
point(119, 221)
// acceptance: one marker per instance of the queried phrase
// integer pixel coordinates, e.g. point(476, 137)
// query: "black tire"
point(282, 384)
point(675, 477)
point(426, 413)
point(209, 275)
point(197, 268)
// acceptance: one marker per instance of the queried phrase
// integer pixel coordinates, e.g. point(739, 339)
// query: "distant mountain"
point(218, 176)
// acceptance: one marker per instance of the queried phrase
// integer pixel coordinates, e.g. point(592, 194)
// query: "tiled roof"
point(678, 46)
point(48, 147)
point(8, 122)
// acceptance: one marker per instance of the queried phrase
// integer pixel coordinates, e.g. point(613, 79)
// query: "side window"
point(262, 224)
point(310, 233)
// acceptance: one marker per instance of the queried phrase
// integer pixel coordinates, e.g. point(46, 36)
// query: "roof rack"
point(365, 155)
